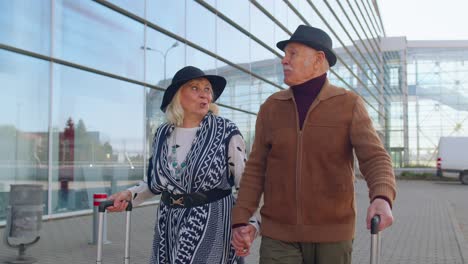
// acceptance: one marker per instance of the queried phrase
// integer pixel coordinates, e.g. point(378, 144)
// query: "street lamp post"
point(164, 54)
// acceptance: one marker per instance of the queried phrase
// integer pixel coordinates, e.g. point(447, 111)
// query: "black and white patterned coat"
point(199, 234)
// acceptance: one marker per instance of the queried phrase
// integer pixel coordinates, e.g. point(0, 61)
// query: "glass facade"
point(83, 80)
point(429, 78)
point(438, 96)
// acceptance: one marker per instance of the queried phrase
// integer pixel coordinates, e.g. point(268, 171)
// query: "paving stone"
point(431, 227)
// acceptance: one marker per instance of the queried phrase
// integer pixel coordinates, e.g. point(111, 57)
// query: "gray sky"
point(425, 19)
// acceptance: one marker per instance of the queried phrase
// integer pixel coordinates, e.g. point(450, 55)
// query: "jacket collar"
point(328, 91)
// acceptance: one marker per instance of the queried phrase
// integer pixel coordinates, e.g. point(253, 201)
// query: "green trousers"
point(275, 252)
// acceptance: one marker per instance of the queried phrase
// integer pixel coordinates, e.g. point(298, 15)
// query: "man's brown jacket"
point(307, 176)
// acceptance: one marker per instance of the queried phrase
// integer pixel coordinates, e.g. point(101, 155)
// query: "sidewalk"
point(431, 227)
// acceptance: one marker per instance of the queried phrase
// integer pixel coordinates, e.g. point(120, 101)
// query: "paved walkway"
point(431, 227)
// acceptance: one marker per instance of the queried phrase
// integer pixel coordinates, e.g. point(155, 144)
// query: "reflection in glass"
point(293, 21)
point(167, 14)
point(237, 91)
point(99, 127)
point(237, 11)
point(97, 37)
point(136, 7)
point(24, 105)
point(154, 115)
point(245, 122)
point(164, 57)
point(265, 63)
point(244, 91)
point(262, 90)
point(262, 27)
point(26, 25)
point(201, 60)
point(232, 44)
point(97, 136)
point(200, 26)
point(278, 9)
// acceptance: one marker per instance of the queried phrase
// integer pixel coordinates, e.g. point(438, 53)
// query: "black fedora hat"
point(189, 73)
point(314, 38)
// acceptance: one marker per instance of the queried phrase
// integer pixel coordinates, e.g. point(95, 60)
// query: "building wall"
point(438, 96)
point(432, 103)
point(82, 80)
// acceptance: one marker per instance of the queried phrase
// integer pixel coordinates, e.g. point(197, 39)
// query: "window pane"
point(211, 2)
point(262, 27)
point(98, 137)
point(97, 37)
point(168, 15)
point(307, 11)
point(245, 122)
point(265, 63)
point(237, 91)
point(237, 11)
point(26, 25)
point(201, 26)
point(232, 44)
point(23, 123)
point(154, 115)
point(260, 91)
point(201, 60)
point(164, 57)
point(136, 7)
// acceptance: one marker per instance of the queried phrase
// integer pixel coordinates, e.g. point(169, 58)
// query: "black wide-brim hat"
point(189, 73)
point(314, 38)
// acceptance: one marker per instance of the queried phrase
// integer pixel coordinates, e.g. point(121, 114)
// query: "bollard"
point(97, 199)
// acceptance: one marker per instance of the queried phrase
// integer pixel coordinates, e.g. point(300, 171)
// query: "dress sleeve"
point(256, 221)
point(252, 184)
point(140, 193)
point(237, 159)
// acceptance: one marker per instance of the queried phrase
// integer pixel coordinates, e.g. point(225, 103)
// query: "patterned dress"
point(199, 234)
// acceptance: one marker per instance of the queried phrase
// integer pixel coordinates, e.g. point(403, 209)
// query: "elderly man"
point(302, 162)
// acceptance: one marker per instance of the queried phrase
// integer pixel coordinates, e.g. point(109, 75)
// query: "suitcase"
point(375, 240)
point(102, 209)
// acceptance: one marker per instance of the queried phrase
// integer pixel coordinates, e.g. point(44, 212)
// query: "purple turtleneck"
point(305, 94)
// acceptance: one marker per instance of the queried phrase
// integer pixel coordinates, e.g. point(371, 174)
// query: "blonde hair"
point(175, 112)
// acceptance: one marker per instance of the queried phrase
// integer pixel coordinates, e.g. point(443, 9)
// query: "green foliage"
point(88, 147)
point(418, 166)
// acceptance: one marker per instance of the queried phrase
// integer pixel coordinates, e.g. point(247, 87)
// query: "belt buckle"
point(179, 202)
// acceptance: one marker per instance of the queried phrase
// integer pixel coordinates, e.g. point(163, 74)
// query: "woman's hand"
point(120, 201)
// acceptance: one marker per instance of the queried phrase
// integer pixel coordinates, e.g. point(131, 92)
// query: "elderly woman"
point(197, 157)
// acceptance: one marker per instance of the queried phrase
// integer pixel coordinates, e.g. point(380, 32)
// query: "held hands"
point(242, 238)
point(380, 207)
point(120, 201)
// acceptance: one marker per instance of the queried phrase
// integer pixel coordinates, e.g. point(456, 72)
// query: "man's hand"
point(120, 201)
point(242, 238)
point(380, 207)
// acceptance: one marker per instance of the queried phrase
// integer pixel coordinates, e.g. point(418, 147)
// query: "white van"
point(452, 160)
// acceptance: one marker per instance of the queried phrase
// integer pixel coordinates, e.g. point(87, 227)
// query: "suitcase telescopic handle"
point(375, 221)
point(375, 240)
point(105, 204)
point(102, 209)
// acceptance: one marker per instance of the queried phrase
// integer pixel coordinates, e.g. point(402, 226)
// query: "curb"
point(462, 246)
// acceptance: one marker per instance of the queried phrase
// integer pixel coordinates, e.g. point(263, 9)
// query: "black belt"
point(188, 200)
